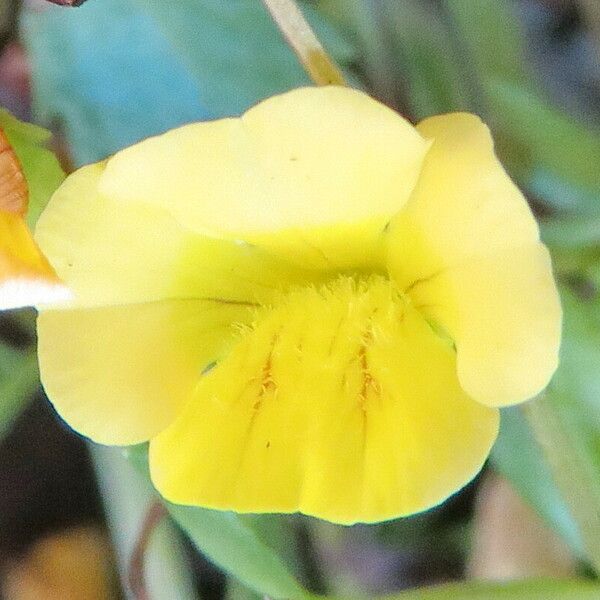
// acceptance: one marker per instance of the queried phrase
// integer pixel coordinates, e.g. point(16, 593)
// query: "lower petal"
point(121, 374)
point(357, 419)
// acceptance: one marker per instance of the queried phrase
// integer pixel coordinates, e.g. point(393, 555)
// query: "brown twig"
point(136, 578)
point(71, 3)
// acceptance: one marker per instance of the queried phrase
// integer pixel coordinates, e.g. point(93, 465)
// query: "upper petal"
point(314, 174)
point(358, 419)
point(466, 250)
point(110, 252)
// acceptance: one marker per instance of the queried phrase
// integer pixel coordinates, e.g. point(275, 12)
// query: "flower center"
point(339, 334)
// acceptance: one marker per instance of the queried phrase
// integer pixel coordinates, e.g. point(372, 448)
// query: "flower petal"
point(120, 374)
point(13, 187)
point(466, 250)
point(359, 419)
point(464, 204)
point(503, 311)
point(111, 252)
point(26, 277)
point(314, 174)
point(29, 172)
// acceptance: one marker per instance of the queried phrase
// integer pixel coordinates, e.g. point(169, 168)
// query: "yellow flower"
point(26, 277)
point(315, 307)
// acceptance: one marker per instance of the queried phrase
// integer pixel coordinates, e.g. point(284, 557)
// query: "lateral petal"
point(466, 250)
point(120, 374)
point(503, 313)
point(110, 252)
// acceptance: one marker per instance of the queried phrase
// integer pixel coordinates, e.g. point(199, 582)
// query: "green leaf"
point(561, 195)
point(18, 381)
point(234, 50)
point(107, 74)
point(518, 457)
point(571, 232)
point(429, 61)
point(492, 35)
point(555, 141)
point(232, 543)
point(237, 591)
point(40, 166)
point(541, 135)
point(405, 53)
point(513, 590)
point(360, 23)
point(566, 420)
point(235, 547)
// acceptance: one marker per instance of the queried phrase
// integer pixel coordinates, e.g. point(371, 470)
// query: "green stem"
point(301, 38)
point(127, 498)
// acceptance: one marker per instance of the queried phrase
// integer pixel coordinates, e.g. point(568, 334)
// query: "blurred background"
point(81, 524)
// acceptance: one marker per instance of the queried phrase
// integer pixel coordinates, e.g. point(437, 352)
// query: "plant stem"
point(301, 38)
point(137, 577)
point(128, 497)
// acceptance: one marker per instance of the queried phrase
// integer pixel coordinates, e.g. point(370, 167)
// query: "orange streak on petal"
point(26, 276)
point(14, 193)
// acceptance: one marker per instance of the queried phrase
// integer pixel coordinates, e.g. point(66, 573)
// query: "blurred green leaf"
point(41, 168)
point(430, 64)
point(116, 71)
point(492, 36)
point(535, 135)
point(237, 591)
point(235, 52)
point(405, 53)
point(518, 457)
point(555, 141)
point(108, 75)
point(566, 419)
point(18, 381)
point(235, 547)
point(513, 590)
point(571, 232)
point(561, 195)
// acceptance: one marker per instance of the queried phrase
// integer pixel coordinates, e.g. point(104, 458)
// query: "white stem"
point(303, 41)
